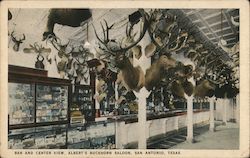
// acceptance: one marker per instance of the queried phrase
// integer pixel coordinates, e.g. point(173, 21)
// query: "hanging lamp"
point(87, 44)
point(222, 41)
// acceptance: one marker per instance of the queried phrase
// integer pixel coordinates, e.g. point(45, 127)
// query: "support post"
point(211, 103)
point(97, 104)
point(237, 108)
point(225, 104)
point(190, 134)
point(119, 134)
point(142, 118)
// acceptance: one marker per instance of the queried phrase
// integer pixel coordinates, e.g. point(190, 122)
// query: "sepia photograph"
point(89, 79)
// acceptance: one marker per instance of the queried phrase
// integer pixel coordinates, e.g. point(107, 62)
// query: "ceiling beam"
point(207, 25)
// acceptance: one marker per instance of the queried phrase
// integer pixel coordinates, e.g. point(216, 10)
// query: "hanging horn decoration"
point(234, 22)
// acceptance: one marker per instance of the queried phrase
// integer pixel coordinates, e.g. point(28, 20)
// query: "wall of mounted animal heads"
point(41, 53)
point(72, 60)
point(161, 32)
point(17, 41)
point(67, 17)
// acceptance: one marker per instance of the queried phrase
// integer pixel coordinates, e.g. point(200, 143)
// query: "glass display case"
point(51, 103)
point(38, 109)
point(21, 103)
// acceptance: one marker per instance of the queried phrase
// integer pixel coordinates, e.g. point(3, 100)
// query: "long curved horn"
point(234, 22)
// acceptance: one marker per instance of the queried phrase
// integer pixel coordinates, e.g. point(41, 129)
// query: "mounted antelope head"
point(16, 41)
point(35, 48)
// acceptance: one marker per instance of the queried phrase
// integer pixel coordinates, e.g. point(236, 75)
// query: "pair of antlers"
point(106, 39)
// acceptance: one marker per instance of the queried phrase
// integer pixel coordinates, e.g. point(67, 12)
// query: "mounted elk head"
point(68, 17)
point(205, 88)
point(16, 41)
point(156, 72)
point(131, 77)
point(180, 84)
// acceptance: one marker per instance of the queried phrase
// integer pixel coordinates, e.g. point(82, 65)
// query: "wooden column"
point(211, 105)
point(225, 104)
point(190, 134)
point(142, 118)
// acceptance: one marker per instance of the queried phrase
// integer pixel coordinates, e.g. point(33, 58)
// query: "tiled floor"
point(225, 137)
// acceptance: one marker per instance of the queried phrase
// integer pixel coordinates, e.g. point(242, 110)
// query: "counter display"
point(98, 135)
point(47, 137)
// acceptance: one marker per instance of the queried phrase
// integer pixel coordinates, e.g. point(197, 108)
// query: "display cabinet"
point(51, 103)
point(83, 100)
point(38, 109)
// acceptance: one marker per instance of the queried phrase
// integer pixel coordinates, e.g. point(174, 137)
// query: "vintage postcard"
point(124, 79)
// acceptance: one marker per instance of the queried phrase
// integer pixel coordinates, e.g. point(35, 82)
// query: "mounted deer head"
point(61, 48)
point(16, 41)
point(35, 48)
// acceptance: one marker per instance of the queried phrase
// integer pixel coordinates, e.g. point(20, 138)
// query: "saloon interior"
point(123, 78)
